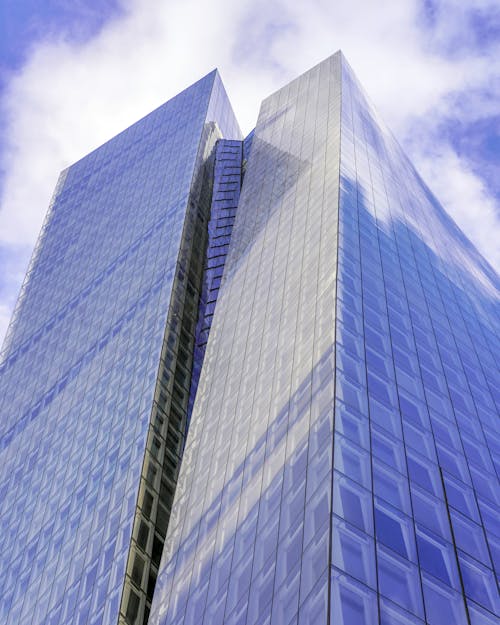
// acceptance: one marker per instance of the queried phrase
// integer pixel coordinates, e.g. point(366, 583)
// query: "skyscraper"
point(95, 378)
point(342, 459)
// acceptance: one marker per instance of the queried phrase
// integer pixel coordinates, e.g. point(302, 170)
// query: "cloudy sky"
point(73, 74)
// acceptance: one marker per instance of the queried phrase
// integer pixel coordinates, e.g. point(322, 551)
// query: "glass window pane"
point(353, 552)
point(352, 602)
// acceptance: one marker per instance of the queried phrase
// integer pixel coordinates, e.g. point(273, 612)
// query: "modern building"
point(304, 302)
point(95, 377)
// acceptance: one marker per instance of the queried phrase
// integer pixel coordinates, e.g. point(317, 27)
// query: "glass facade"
point(95, 376)
point(416, 397)
point(343, 453)
point(227, 178)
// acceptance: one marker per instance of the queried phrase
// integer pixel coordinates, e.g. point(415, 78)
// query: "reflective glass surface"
point(249, 535)
point(304, 302)
point(227, 179)
point(418, 316)
point(90, 381)
point(342, 462)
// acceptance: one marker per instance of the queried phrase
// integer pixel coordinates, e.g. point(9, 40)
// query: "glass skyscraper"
point(301, 300)
point(95, 377)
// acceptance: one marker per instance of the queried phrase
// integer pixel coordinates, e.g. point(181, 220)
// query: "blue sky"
point(24, 23)
point(73, 74)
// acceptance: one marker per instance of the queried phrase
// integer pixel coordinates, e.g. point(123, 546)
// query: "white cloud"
point(69, 98)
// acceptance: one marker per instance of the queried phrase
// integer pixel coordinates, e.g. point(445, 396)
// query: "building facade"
point(340, 465)
point(302, 299)
point(95, 377)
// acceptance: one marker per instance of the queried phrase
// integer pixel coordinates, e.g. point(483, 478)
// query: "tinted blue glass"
point(440, 306)
point(413, 309)
point(262, 428)
point(351, 506)
point(342, 459)
point(432, 559)
point(353, 552)
point(389, 532)
point(89, 437)
point(396, 578)
point(227, 178)
point(352, 602)
point(441, 600)
point(479, 583)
